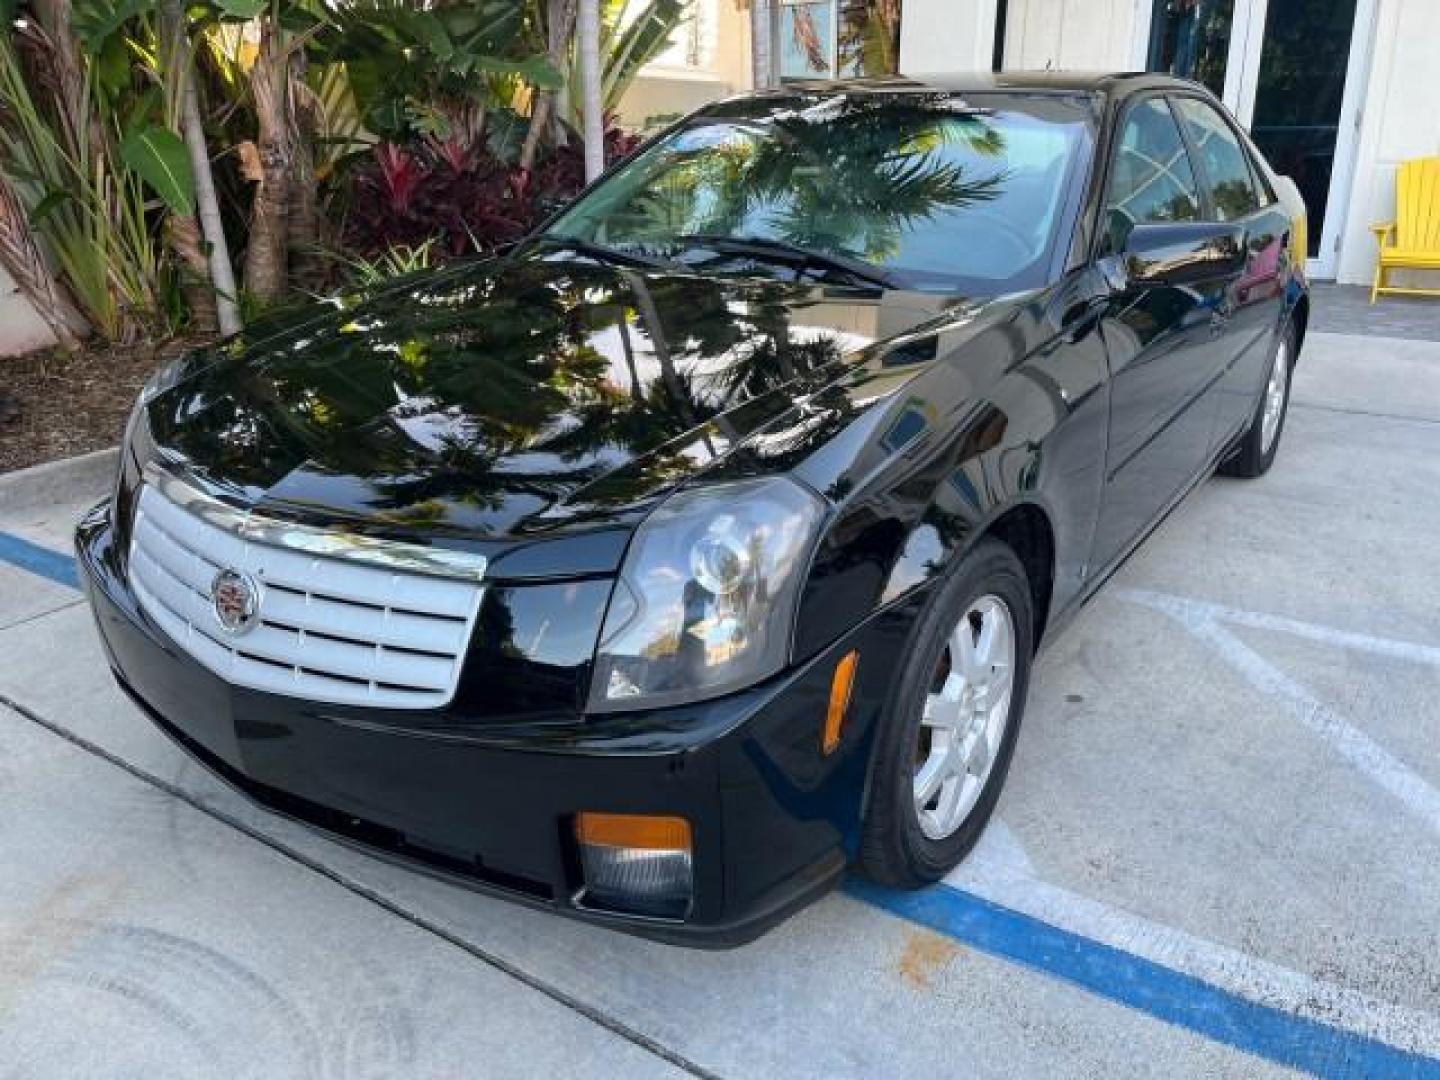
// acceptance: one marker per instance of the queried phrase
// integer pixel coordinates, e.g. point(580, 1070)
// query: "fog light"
point(636, 864)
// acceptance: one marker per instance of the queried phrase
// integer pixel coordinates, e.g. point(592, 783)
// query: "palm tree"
point(267, 256)
point(559, 29)
point(179, 64)
point(592, 95)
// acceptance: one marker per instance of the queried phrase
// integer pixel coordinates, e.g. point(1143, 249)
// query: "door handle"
point(1080, 318)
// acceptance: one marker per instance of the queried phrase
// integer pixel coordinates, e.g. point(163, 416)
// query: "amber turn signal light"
point(841, 683)
point(633, 831)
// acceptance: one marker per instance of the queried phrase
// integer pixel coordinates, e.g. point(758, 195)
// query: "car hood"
point(513, 396)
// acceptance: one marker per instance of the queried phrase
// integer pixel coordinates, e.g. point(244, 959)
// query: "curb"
point(60, 482)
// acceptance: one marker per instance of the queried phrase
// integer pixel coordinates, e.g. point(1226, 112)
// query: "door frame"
point(1242, 72)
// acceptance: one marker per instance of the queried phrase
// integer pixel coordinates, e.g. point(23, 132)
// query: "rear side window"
point(1230, 183)
point(1151, 179)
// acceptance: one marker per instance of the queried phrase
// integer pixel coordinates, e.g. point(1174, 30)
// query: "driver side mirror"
point(1177, 253)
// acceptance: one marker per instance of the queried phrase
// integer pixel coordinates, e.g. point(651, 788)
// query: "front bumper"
point(772, 819)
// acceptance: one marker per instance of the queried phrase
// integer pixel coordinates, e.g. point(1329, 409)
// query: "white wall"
point(1400, 120)
point(21, 330)
point(939, 36)
point(1075, 35)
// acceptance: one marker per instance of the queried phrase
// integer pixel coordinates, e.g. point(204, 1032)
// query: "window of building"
point(1151, 179)
point(1226, 168)
point(828, 39)
point(1191, 38)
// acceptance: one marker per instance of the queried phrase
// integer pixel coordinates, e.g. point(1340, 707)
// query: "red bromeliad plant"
point(459, 197)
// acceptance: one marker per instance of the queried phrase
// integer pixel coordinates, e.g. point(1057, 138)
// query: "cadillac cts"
point(698, 546)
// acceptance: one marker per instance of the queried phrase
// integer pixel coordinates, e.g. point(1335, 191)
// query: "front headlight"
point(706, 597)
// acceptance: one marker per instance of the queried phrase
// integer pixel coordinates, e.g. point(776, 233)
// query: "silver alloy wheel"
point(1275, 397)
point(965, 716)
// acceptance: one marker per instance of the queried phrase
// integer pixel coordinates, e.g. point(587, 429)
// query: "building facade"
point(1336, 92)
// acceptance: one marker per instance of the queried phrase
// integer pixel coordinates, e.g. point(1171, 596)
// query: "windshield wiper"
point(601, 252)
point(760, 247)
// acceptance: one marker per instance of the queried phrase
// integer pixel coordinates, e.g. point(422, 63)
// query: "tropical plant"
point(463, 202)
point(556, 20)
point(437, 70)
point(62, 165)
point(395, 261)
point(631, 33)
point(21, 255)
point(144, 141)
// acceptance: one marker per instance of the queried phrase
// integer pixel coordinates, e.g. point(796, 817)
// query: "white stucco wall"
point(21, 330)
point(1400, 120)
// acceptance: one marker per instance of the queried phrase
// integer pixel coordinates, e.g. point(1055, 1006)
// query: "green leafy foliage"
point(242, 9)
point(159, 156)
point(416, 72)
point(96, 22)
point(632, 34)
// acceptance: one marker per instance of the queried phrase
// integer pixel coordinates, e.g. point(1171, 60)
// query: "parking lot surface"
point(1218, 853)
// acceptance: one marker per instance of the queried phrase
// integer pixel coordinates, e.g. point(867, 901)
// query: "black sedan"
point(662, 566)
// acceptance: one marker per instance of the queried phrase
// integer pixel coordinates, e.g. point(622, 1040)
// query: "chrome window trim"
point(313, 540)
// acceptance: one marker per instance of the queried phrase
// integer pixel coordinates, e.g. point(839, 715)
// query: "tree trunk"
point(21, 255)
point(762, 43)
point(268, 254)
point(207, 209)
point(305, 240)
point(592, 104)
point(559, 29)
point(182, 233)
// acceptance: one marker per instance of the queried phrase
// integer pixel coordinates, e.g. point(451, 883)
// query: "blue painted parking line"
point(20, 552)
point(1151, 988)
point(1110, 973)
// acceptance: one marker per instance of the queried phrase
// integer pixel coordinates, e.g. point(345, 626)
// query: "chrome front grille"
point(345, 627)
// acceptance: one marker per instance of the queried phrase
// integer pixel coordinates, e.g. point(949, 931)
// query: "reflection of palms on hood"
point(487, 399)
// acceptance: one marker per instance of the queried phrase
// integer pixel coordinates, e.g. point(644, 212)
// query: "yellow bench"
point(1412, 240)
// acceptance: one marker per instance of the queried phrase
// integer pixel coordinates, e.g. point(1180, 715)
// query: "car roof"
point(1107, 83)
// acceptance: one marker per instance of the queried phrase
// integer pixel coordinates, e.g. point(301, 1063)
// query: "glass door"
point(1302, 108)
point(1192, 39)
point(1292, 72)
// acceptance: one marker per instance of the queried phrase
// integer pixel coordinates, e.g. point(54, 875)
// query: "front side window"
point(1227, 170)
point(939, 193)
point(1151, 179)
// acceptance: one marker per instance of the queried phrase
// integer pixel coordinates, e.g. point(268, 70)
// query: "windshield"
point(939, 193)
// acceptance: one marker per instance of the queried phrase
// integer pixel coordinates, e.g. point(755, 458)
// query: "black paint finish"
point(536, 406)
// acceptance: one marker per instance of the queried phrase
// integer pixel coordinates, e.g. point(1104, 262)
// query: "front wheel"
point(954, 715)
point(1258, 446)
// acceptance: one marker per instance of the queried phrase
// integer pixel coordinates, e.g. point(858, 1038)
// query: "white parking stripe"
point(1382, 767)
point(1195, 612)
point(998, 870)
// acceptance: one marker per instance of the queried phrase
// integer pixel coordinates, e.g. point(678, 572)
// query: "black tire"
point(894, 851)
point(1252, 458)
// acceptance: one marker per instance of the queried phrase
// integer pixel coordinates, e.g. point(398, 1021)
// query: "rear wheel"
point(954, 716)
point(1258, 446)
